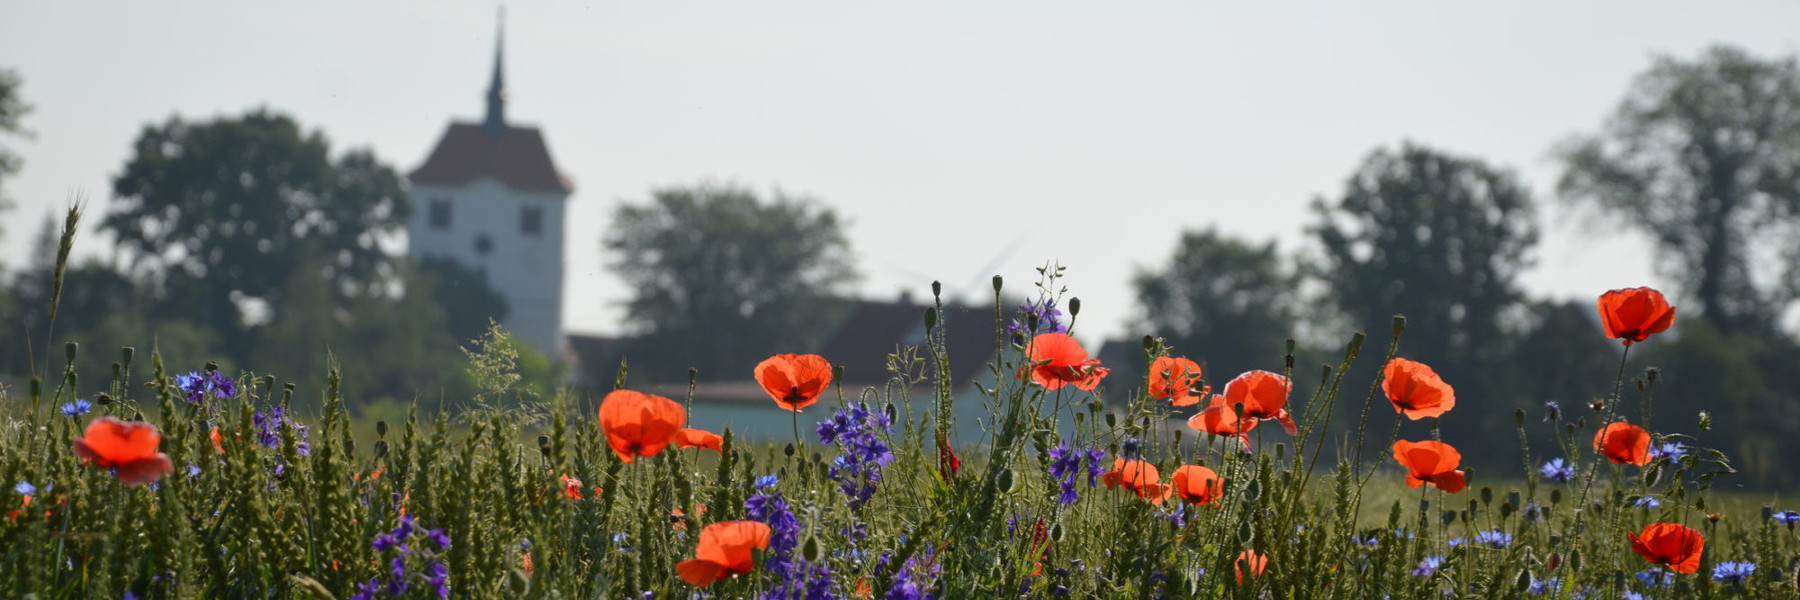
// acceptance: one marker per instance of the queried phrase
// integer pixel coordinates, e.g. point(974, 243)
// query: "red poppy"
point(1058, 360)
point(1416, 390)
point(794, 380)
point(1431, 462)
point(1634, 314)
point(571, 487)
point(724, 551)
point(1255, 561)
point(130, 447)
point(1140, 477)
point(217, 440)
point(1197, 485)
point(1173, 378)
point(1219, 419)
point(1264, 396)
point(1672, 545)
point(1623, 443)
point(948, 463)
point(639, 424)
point(699, 438)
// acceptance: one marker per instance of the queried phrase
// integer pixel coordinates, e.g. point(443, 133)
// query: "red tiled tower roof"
point(516, 156)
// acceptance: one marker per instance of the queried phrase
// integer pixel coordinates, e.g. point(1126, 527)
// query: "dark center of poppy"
point(794, 396)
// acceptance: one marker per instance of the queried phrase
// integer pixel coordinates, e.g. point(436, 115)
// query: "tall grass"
point(528, 500)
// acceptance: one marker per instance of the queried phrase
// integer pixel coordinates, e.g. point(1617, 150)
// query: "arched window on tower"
point(531, 220)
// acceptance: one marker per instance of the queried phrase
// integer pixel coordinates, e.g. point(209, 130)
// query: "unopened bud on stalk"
point(1519, 418)
point(937, 289)
point(381, 428)
point(1074, 306)
point(125, 353)
point(69, 350)
point(931, 318)
point(996, 284)
point(1399, 324)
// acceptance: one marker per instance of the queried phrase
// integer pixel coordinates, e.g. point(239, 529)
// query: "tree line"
point(250, 241)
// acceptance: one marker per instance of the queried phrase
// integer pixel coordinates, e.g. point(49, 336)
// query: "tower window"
point(531, 220)
point(439, 213)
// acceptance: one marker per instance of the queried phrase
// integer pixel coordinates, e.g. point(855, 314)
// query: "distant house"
point(872, 331)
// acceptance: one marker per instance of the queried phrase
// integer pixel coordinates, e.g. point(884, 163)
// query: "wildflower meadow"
point(167, 481)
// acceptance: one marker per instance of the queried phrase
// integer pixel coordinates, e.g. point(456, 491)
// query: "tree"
point(1221, 301)
point(12, 109)
point(1704, 156)
point(220, 213)
point(1440, 239)
point(723, 278)
point(469, 302)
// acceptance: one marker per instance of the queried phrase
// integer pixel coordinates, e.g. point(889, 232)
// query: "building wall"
point(526, 269)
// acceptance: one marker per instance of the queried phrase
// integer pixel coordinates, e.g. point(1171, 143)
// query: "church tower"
point(490, 198)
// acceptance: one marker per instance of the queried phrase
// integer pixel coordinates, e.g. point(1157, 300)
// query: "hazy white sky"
point(960, 138)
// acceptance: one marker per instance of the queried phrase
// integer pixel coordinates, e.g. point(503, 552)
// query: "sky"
point(960, 139)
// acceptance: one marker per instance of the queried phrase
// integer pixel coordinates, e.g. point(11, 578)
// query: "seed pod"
point(125, 354)
point(788, 450)
point(1575, 560)
point(69, 350)
point(937, 289)
point(381, 428)
point(1008, 481)
point(997, 284)
point(1487, 496)
point(1056, 532)
point(1074, 306)
point(1399, 324)
point(1523, 581)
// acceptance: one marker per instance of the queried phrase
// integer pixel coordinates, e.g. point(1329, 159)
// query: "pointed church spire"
point(495, 124)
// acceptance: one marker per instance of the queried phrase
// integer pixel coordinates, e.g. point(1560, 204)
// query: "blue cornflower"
point(1494, 538)
point(1552, 411)
point(1669, 450)
point(1733, 572)
point(1632, 596)
point(1428, 566)
point(1646, 502)
point(1557, 470)
point(1655, 578)
point(1786, 517)
point(856, 429)
point(1049, 320)
point(199, 386)
point(1456, 542)
point(1544, 587)
point(77, 408)
point(1132, 448)
point(193, 470)
point(767, 481)
point(24, 488)
point(1533, 512)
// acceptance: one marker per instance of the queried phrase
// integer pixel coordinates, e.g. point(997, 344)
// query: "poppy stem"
point(1612, 409)
point(798, 445)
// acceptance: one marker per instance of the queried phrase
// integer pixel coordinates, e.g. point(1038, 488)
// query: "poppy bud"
point(1399, 324)
point(1447, 517)
point(931, 318)
point(1705, 420)
point(1768, 512)
point(810, 550)
point(1245, 534)
point(1506, 510)
point(1513, 497)
point(125, 354)
point(1111, 420)
point(837, 372)
point(1008, 482)
point(1356, 342)
point(1519, 418)
point(1700, 503)
point(1487, 496)
point(1523, 581)
point(212, 366)
point(937, 289)
point(1467, 517)
point(1150, 344)
point(1056, 532)
point(1555, 561)
point(788, 450)
point(1074, 306)
point(1575, 560)
point(1599, 404)
point(1653, 475)
point(544, 446)
point(1252, 490)
point(117, 370)
point(693, 375)
point(381, 429)
point(996, 284)
point(1095, 406)
point(69, 350)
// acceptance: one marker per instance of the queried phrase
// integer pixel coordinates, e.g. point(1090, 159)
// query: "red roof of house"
point(516, 156)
